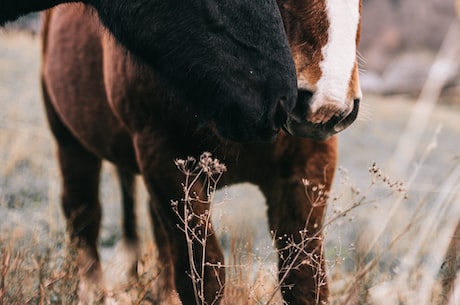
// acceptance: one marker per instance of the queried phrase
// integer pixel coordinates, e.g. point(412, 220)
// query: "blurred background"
point(400, 40)
point(392, 228)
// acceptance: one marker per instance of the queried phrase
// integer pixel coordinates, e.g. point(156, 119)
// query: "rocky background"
point(400, 39)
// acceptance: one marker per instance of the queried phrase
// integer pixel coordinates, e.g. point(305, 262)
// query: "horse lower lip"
point(342, 124)
point(338, 128)
point(308, 130)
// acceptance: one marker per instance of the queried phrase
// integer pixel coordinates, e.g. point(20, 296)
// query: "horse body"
point(103, 102)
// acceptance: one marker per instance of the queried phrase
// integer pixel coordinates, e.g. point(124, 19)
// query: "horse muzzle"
point(321, 122)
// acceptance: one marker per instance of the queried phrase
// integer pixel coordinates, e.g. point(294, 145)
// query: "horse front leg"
point(188, 249)
point(296, 206)
point(296, 228)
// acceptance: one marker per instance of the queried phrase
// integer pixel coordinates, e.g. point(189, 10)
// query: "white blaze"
point(339, 54)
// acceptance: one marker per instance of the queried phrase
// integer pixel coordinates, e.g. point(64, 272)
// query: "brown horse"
point(104, 103)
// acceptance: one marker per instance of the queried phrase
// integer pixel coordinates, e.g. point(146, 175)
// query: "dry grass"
point(402, 260)
point(35, 272)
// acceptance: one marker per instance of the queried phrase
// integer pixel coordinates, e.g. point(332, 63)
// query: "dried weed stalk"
point(205, 172)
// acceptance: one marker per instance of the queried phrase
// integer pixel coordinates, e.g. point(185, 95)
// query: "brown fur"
point(101, 104)
point(307, 33)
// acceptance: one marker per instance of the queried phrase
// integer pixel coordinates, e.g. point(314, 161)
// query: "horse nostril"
point(303, 101)
point(304, 95)
point(281, 115)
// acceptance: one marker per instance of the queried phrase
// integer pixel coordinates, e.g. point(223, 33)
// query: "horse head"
point(228, 61)
point(323, 35)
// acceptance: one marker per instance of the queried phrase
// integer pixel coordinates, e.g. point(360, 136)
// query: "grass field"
point(386, 242)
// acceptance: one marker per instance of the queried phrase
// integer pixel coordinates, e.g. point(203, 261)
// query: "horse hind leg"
point(127, 182)
point(80, 172)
